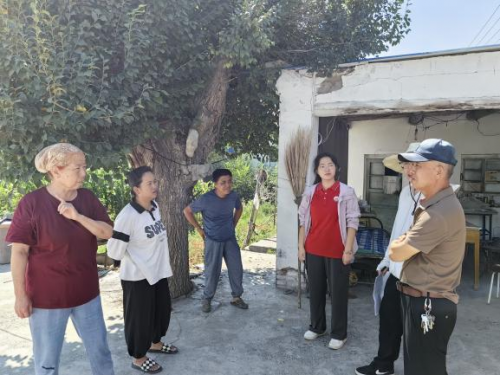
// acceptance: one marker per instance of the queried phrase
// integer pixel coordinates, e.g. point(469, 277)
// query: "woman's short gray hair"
point(56, 155)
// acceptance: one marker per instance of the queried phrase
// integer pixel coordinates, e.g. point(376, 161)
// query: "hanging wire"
point(322, 140)
point(482, 28)
point(482, 133)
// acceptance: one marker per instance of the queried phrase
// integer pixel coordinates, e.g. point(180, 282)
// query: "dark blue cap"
point(431, 149)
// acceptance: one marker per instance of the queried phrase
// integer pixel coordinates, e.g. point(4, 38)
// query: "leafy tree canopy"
point(107, 75)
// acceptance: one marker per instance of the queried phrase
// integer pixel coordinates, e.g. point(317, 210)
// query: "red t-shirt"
point(324, 238)
point(62, 269)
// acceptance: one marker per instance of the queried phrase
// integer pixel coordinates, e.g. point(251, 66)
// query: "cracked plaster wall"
point(390, 136)
point(459, 82)
point(296, 110)
point(434, 83)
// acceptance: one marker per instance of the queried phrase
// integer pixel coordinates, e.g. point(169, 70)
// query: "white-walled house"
point(371, 109)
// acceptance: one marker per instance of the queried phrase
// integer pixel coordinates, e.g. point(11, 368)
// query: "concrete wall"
point(389, 136)
point(296, 106)
point(429, 84)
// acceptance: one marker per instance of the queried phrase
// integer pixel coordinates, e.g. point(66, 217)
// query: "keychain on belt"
point(427, 318)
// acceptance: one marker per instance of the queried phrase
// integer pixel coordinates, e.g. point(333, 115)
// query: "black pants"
point(426, 353)
point(320, 271)
point(146, 310)
point(390, 328)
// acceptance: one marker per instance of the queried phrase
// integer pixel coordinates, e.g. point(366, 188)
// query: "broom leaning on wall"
point(297, 162)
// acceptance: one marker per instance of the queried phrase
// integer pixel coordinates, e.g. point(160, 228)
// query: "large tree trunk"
point(177, 164)
point(174, 194)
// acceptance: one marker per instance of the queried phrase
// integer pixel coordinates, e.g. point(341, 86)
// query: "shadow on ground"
point(266, 339)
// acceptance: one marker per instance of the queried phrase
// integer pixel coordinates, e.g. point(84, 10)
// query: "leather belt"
point(412, 292)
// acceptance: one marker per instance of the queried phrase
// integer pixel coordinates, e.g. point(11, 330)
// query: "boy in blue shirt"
point(221, 210)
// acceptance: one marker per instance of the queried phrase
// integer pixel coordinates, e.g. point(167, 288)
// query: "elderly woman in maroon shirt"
point(329, 217)
point(54, 242)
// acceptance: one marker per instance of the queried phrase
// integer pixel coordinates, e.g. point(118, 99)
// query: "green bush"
point(243, 176)
point(265, 227)
point(11, 194)
point(244, 169)
point(109, 185)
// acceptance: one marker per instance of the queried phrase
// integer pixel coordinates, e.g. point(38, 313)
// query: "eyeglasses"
point(326, 166)
point(411, 165)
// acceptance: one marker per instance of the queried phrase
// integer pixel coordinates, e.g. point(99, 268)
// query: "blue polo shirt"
point(218, 214)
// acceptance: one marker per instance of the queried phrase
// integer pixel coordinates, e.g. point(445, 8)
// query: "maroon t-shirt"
point(62, 269)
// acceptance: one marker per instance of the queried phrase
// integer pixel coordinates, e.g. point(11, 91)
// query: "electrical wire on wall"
point(329, 128)
point(422, 123)
point(478, 124)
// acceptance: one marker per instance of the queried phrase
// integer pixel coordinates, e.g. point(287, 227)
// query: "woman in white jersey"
point(140, 242)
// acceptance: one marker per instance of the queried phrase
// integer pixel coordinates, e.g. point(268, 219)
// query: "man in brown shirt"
point(432, 251)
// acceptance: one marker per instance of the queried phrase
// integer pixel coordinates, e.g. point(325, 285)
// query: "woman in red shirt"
point(329, 218)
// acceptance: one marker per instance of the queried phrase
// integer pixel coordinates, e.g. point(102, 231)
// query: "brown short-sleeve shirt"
point(439, 233)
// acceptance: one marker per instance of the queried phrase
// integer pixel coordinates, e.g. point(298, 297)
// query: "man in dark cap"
point(432, 251)
point(391, 323)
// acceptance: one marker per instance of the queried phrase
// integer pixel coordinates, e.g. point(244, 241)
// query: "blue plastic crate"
point(372, 241)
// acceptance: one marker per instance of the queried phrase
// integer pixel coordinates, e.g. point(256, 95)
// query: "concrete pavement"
point(266, 339)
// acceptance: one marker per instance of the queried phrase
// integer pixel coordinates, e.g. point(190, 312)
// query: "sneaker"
point(206, 306)
point(239, 303)
point(336, 344)
point(371, 369)
point(310, 335)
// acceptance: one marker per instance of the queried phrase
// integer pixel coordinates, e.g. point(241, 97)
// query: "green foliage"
point(243, 176)
point(107, 75)
point(11, 194)
point(101, 249)
point(265, 225)
point(321, 34)
point(111, 187)
point(249, 32)
point(244, 169)
point(265, 228)
point(313, 34)
point(251, 121)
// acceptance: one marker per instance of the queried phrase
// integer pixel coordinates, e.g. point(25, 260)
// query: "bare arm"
point(237, 215)
point(348, 255)
point(400, 250)
point(99, 229)
point(302, 250)
point(188, 213)
point(19, 262)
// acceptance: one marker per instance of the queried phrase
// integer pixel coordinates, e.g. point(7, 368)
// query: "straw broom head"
point(297, 160)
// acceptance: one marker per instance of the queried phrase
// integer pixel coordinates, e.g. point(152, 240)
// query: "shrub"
point(244, 169)
point(111, 187)
point(108, 185)
point(11, 194)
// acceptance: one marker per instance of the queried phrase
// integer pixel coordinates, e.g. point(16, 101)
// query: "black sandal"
point(165, 349)
point(147, 366)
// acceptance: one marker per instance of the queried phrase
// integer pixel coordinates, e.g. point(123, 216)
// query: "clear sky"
point(438, 25)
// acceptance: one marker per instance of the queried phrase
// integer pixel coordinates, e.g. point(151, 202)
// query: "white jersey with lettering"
point(140, 241)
